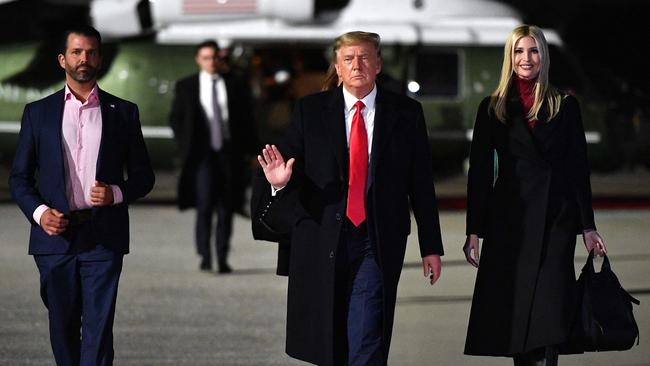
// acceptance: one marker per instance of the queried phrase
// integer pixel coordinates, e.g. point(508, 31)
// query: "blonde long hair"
point(350, 38)
point(544, 91)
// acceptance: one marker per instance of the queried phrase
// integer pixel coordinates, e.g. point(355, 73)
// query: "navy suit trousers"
point(79, 290)
point(364, 299)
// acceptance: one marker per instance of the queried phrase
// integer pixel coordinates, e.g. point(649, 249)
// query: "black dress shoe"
point(224, 268)
point(205, 265)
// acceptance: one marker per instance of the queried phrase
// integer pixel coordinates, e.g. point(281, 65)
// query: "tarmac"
point(170, 313)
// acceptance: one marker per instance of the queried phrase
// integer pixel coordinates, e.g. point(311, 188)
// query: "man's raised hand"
point(276, 171)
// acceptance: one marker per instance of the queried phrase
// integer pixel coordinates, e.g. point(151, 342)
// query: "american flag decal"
point(192, 7)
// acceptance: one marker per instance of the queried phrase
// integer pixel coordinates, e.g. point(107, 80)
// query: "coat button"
point(331, 254)
point(338, 216)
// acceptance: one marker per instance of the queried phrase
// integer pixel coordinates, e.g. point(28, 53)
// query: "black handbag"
point(604, 319)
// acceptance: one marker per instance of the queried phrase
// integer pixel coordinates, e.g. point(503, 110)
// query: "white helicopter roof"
point(428, 22)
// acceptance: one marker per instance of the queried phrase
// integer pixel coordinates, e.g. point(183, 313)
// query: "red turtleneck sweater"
point(526, 90)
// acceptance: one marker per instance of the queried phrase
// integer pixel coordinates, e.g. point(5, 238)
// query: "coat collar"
point(385, 121)
point(525, 145)
point(333, 120)
point(532, 143)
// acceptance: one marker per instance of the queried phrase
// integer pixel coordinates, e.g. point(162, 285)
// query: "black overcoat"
point(528, 215)
point(400, 172)
point(191, 132)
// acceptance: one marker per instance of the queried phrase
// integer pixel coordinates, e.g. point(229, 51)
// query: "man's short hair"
point(356, 37)
point(83, 29)
point(208, 43)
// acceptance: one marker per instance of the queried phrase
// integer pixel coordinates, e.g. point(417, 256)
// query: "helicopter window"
point(436, 75)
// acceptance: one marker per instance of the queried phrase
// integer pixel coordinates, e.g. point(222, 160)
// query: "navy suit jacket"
point(38, 174)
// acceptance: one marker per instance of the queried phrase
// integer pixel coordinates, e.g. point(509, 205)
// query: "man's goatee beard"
point(85, 76)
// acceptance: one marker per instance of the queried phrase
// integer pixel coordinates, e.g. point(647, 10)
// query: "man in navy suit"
point(81, 159)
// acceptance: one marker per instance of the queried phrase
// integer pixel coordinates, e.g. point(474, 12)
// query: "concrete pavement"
point(169, 313)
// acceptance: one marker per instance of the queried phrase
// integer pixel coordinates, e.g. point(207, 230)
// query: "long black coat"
point(528, 215)
point(400, 171)
point(191, 131)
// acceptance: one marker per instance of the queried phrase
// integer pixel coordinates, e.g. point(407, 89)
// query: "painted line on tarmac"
point(415, 300)
point(579, 259)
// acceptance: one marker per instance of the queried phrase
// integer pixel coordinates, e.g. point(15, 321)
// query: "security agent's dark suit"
point(400, 177)
point(85, 261)
point(213, 180)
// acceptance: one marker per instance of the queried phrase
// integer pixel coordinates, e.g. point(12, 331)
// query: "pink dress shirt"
point(81, 136)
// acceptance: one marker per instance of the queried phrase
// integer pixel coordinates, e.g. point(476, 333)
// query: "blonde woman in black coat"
point(528, 196)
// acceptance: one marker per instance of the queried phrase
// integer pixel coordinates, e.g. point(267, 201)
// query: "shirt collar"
point(368, 100)
point(208, 77)
point(93, 97)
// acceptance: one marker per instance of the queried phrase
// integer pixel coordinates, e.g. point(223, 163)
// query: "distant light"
point(163, 88)
point(478, 87)
point(413, 86)
point(282, 76)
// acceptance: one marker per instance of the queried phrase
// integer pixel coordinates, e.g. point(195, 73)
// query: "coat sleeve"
point(577, 164)
point(422, 193)
point(140, 176)
point(22, 180)
point(481, 172)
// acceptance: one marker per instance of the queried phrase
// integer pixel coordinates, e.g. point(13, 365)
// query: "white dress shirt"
point(368, 114)
point(205, 96)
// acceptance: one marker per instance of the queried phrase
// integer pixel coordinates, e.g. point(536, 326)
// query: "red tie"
point(356, 210)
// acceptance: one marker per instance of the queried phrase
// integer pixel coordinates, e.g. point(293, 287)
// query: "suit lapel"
point(108, 108)
point(333, 120)
point(56, 113)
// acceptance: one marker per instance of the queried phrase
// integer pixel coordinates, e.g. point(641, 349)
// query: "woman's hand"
point(594, 241)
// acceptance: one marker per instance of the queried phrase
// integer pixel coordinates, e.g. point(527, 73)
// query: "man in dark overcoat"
point(213, 125)
point(357, 156)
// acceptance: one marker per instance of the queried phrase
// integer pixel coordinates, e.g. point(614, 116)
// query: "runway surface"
point(169, 313)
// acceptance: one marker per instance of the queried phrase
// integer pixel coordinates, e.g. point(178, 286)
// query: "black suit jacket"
point(400, 177)
point(122, 149)
point(191, 131)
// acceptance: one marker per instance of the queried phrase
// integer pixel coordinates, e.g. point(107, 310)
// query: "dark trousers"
point(79, 290)
point(359, 275)
point(212, 183)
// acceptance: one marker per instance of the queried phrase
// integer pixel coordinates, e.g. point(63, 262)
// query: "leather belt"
point(79, 217)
